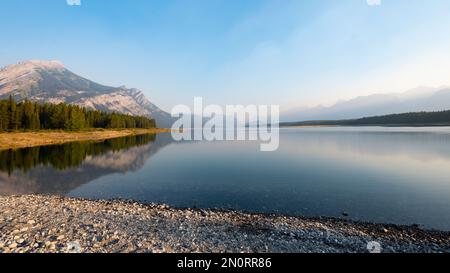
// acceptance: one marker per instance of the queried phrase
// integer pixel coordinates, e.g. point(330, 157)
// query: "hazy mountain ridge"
point(415, 100)
point(51, 82)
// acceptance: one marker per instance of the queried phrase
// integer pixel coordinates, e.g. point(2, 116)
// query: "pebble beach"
point(44, 224)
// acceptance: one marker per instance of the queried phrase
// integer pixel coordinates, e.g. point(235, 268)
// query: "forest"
point(33, 116)
point(440, 118)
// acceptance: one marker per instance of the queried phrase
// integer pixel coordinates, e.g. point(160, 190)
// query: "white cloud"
point(373, 2)
point(73, 2)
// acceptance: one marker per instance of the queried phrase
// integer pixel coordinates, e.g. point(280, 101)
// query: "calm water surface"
point(389, 175)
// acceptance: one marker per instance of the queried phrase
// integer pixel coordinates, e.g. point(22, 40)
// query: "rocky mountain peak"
point(31, 65)
point(51, 82)
point(44, 64)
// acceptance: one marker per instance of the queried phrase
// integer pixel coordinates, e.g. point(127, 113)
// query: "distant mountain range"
point(51, 82)
point(416, 100)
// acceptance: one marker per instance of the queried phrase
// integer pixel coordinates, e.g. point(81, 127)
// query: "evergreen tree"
point(4, 117)
point(13, 114)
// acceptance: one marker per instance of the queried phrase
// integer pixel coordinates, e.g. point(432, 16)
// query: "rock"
point(12, 246)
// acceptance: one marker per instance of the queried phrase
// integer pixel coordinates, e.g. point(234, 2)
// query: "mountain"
point(52, 82)
point(415, 100)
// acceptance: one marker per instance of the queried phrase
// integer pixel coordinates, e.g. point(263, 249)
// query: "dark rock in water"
point(345, 214)
point(383, 229)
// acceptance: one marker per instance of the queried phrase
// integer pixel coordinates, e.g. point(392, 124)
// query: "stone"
point(12, 246)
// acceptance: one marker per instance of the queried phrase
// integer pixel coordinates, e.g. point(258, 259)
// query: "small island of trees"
point(33, 116)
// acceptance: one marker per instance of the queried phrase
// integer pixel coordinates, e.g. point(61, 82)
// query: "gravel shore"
point(54, 224)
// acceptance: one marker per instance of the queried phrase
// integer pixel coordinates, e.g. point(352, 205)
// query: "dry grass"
point(17, 140)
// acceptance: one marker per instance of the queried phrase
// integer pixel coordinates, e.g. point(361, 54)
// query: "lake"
point(385, 175)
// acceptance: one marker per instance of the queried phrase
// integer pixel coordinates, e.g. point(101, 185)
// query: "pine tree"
point(36, 122)
point(12, 124)
point(27, 115)
point(4, 118)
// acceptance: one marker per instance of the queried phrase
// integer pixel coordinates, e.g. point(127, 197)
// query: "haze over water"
point(387, 175)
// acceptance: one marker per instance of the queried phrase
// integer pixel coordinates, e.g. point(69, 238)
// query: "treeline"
point(418, 118)
point(29, 115)
point(66, 156)
point(440, 118)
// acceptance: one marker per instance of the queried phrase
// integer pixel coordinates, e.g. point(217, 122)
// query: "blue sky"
point(287, 52)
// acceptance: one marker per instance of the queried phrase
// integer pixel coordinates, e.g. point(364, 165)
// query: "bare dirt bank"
point(53, 224)
point(17, 140)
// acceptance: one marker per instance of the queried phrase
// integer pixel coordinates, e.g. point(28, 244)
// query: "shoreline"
point(35, 223)
point(368, 125)
point(18, 140)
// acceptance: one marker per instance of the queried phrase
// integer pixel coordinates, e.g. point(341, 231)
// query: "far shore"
point(16, 140)
point(365, 125)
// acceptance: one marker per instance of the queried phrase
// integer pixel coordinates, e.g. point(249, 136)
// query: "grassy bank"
point(15, 140)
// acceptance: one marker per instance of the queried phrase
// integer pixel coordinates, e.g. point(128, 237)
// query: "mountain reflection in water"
point(58, 169)
point(384, 175)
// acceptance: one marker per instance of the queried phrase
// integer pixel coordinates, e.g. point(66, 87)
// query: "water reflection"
point(388, 175)
point(393, 175)
point(58, 169)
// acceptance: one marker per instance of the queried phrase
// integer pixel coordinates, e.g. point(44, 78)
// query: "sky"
point(292, 53)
